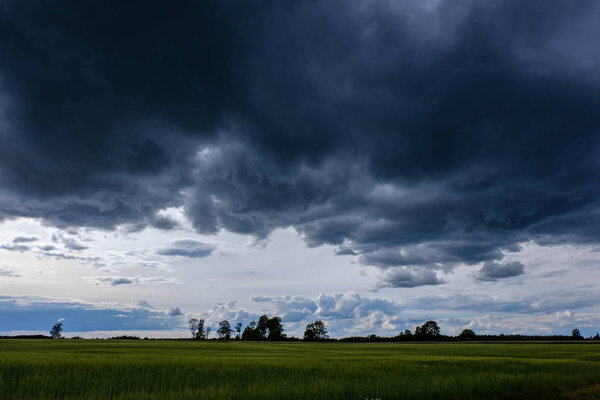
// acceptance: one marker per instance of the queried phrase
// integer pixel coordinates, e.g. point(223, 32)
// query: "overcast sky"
point(373, 164)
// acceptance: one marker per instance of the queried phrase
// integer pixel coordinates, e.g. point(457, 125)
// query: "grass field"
point(78, 369)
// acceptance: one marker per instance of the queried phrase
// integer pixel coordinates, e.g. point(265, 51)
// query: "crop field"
point(87, 369)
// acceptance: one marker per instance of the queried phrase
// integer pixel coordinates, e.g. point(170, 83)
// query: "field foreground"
point(78, 369)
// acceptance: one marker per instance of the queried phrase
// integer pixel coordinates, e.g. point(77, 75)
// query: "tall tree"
point(208, 329)
point(56, 330)
point(224, 330)
point(275, 329)
point(250, 333)
point(193, 324)
point(262, 326)
point(200, 333)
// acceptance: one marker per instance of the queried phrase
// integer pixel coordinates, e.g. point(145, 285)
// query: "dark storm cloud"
point(492, 271)
point(187, 248)
point(415, 136)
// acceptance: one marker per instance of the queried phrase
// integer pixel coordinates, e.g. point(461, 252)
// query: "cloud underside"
point(414, 149)
point(187, 248)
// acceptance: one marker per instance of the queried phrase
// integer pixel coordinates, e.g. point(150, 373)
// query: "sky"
point(373, 164)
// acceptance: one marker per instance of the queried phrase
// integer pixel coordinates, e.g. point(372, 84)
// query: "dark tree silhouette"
point(315, 331)
point(224, 330)
point(193, 324)
point(266, 328)
point(576, 334)
point(467, 334)
point(200, 332)
point(429, 330)
point(249, 332)
point(262, 326)
point(208, 329)
point(275, 329)
point(56, 330)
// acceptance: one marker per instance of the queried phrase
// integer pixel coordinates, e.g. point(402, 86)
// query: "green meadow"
point(105, 369)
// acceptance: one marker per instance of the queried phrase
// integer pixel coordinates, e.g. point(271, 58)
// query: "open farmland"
point(88, 369)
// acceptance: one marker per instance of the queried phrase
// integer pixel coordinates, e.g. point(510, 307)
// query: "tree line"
point(264, 329)
point(271, 329)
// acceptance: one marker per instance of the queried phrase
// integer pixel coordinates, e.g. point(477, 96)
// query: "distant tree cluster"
point(265, 329)
point(197, 329)
point(315, 331)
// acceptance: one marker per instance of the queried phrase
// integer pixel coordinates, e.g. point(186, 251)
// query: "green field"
point(86, 369)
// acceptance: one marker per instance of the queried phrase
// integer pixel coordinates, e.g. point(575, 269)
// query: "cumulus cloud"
point(227, 311)
point(492, 271)
point(174, 311)
point(333, 306)
point(187, 248)
point(290, 308)
point(414, 149)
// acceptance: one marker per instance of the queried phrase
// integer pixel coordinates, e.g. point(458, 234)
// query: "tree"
point(309, 335)
point(429, 330)
point(266, 328)
point(262, 326)
point(315, 331)
point(467, 334)
point(200, 333)
point(405, 335)
point(193, 323)
point(208, 329)
point(56, 330)
point(238, 329)
point(275, 329)
point(576, 334)
point(251, 333)
point(224, 330)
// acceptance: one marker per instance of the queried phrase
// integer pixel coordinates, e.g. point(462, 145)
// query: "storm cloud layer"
point(414, 135)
